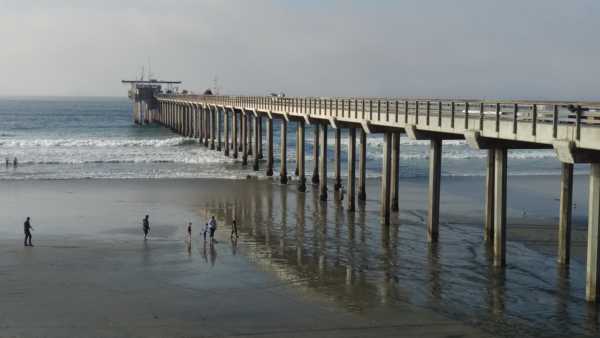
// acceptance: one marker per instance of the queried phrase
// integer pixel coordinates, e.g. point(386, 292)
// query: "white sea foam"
point(96, 142)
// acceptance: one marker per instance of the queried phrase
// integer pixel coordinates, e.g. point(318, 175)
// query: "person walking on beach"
point(205, 230)
point(146, 227)
point(15, 162)
point(189, 231)
point(27, 228)
point(234, 229)
point(212, 225)
point(7, 162)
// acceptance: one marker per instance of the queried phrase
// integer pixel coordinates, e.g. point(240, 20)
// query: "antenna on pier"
point(216, 88)
point(149, 69)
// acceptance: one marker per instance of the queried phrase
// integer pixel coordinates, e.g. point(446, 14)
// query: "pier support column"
point(435, 172)
point(256, 142)
point(226, 127)
point(260, 138)
point(206, 126)
point(592, 288)
point(500, 178)
point(395, 170)
point(187, 124)
point(338, 160)
point(315, 176)
point(351, 168)
point(250, 133)
point(488, 231)
point(218, 127)
point(213, 128)
point(283, 148)
point(244, 119)
point(297, 170)
point(323, 163)
point(564, 219)
point(198, 123)
point(386, 169)
point(301, 157)
point(362, 167)
point(234, 132)
point(269, 147)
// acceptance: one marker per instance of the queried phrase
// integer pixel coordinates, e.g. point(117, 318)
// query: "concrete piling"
point(338, 160)
point(323, 163)
point(362, 167)
point(283, 179)
point(488, 231)
point(270, 159)
point(386, 178)
point(351, 169)
point(564, 220)
point(301, 157)
point(394, 182)
point(435, 172)
point(592, 289)
point(315, 176)
point(500, 180)
point(256, 143)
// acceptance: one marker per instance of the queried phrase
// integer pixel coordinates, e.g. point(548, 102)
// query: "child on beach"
point(205, 230)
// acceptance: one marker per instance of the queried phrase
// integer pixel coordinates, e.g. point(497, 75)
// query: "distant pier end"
point(143, 94)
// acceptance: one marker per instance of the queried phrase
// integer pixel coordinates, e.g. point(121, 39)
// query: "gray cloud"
point(542, 49)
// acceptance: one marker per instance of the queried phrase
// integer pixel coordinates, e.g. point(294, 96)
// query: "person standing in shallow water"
point(146, 227)
point(212, 224)
point(234, 229)
point(189, 231)
point(27, 228)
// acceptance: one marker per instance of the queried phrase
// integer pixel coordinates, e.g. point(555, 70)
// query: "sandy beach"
point(299, 269)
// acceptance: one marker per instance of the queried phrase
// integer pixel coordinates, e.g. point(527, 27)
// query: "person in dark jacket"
point(146, 226)
point(27, 228)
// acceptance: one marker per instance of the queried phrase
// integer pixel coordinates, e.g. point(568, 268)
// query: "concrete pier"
point(283, 179)
point(435, 173)
point(323, 163)
point(565, 211)
point(574, 137)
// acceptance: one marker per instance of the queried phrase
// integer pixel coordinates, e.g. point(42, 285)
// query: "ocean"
point(64, 138)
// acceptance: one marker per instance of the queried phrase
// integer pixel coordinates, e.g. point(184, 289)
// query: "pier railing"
point(529, 121)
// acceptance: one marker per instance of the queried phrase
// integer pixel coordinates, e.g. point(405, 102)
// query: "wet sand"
point(300, 268)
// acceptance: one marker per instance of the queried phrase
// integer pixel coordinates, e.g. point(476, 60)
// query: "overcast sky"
point(544, 49)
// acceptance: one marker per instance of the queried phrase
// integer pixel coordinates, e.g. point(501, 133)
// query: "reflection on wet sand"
point(327, 252)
